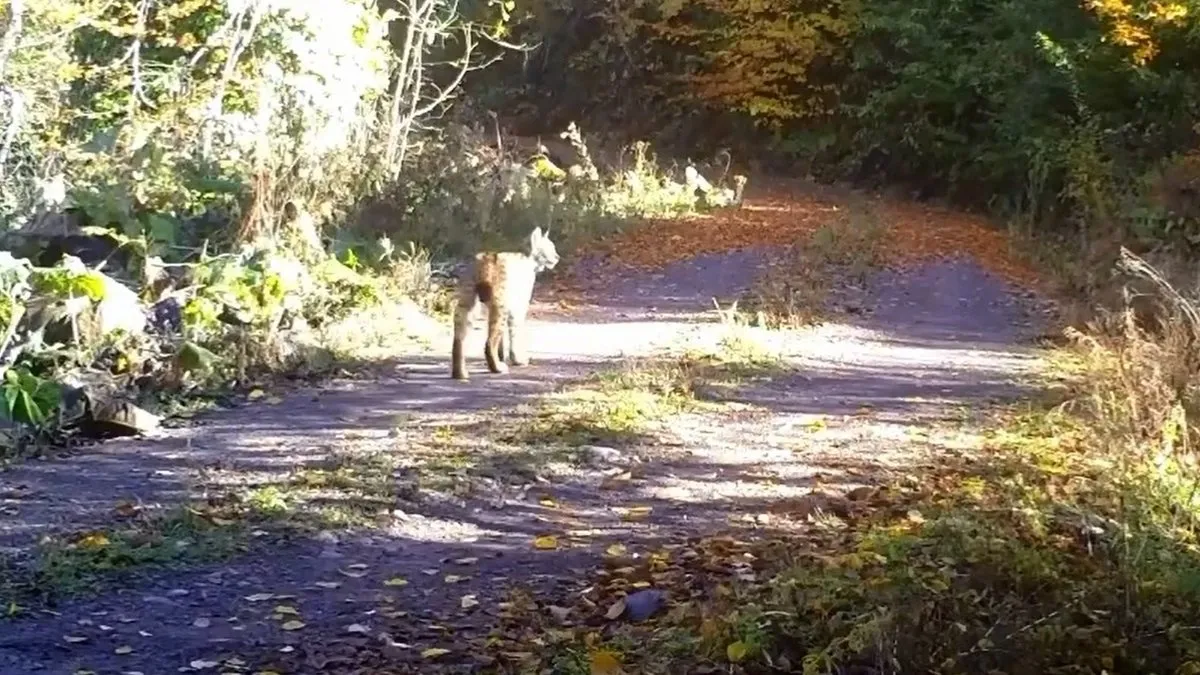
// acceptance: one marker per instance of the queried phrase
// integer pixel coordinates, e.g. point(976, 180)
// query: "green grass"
point(85, 562)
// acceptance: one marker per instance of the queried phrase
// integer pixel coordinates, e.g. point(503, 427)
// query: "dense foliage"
point(1035, 108)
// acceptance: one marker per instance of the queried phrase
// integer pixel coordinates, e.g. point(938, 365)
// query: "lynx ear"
point(537, 234)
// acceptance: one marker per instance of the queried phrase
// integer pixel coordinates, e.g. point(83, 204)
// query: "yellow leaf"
point(468, 601)
point(618, 481)
point(604, 662)
point(94, 540)
point(434, 652)
point(259, 597)
point(285, 609)
point(616, 550)
point(396, 581)
point(548, 502)
point(256, 394)
point(636, 513)
point(545, 543)
point(453, 578)
point(736, 651)
point(293, 625)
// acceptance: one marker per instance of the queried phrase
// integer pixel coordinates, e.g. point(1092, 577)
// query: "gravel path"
point(933, 342)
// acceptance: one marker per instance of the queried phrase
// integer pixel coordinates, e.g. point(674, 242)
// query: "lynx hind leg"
point(495, 339)
point(462, 327)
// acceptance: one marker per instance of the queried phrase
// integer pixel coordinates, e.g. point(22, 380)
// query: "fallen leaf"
point(636, 513)
point(256, 394)
point(616, 550)
point(617, 481)
point(468, 601)
point(75, 639)
point(454, 578)
point(615, 610)
point(327, 584)
point(259, 597)
point(293, 625)
point(357, 628)
point(548, 503)
point(466, 561)
point(274, 400)
point(736, 651)
point(94, 540)
point(123, 649)
point(202, 622)
point(434, 652)
point(286, 609)
point(604, 662)
point(352, 573)
point(201, 664)
point(396, 581)
point(545, 543)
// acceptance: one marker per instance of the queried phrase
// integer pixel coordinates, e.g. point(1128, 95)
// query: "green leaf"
point(192, 357)
point(162, 229)
point(90, 284)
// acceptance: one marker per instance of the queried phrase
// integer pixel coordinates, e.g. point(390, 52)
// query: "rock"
point(93, 399)
point(642, 605)
point(120, 309)
point(600, 455)
point(859, 494)
point(166, 316)
point(118, 417)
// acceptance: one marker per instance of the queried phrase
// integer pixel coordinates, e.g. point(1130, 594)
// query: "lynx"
point(503, 282)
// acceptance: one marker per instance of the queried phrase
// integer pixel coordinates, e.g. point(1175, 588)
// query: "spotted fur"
point(503, 283)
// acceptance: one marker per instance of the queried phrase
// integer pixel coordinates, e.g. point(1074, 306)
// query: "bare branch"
point(134, 56)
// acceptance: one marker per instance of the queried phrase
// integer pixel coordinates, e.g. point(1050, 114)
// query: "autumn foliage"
point(770, 59)
point(1037, 110)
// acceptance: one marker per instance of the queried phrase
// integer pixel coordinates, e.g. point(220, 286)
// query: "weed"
point(84, 562)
